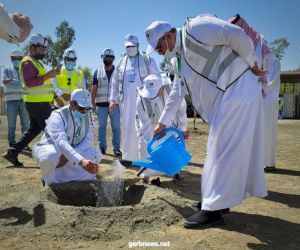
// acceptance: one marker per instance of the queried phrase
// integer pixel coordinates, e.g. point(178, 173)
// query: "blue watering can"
point(168, 156)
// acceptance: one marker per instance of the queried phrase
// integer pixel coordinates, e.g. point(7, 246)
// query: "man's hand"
point(66, 97)
point(185, 135)
point(52, 73)
point(257, 71)
point(62, 161)
point(24, 24)
point(7, 80)
point(59, 101)
point(89, 166)
point(112, 104)
point(159, 127)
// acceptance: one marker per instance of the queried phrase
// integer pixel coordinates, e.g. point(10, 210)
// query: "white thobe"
point(128, 105)
point(47, 154)
point(180, 121)
point(145, 127)
point(233, 168)
point(271, 109)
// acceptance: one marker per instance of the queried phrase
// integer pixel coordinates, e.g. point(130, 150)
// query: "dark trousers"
point(38, 112)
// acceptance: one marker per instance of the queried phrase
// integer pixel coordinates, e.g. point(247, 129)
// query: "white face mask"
point(170, 54)
point(131, 51)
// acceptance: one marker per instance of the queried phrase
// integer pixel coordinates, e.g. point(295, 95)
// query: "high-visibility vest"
point(103, 88)
point(217, 63)
point(144, 62)
point(67, 86)
point(43, 93)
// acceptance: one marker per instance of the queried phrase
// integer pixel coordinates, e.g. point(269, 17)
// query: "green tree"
point(65, 36)
point(87, 72)
point(278, 47)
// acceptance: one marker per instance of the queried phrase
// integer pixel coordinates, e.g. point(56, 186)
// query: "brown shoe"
point(177, 178)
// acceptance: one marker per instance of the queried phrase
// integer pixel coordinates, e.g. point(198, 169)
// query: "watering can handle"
point(164, 131)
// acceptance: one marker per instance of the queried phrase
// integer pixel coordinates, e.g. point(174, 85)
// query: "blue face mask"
point(70, 65)
point(77, 115)
point(16, 63)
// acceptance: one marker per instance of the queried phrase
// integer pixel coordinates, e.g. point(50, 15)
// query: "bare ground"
point(30, 218)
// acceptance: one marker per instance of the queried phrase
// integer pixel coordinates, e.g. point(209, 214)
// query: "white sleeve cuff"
point(76, 158)
point(250, 59)
point(166, 119)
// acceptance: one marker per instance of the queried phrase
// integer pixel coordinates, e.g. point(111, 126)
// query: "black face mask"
point(172, 78)
point(39, 56)
point(107, 62)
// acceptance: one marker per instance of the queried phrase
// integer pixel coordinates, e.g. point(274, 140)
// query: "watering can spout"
point(146, 164)
point(143, 164)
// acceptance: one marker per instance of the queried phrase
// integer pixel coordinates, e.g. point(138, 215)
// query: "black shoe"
point(12, 156)
point(117, 152)
point(103, 151)
point(270, 169)
point(204, 218)
point(198, 205)
point(156, 182)
point(27, 151)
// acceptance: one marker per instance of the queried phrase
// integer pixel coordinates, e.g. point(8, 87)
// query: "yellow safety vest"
point(43, 93)
point(68, 86)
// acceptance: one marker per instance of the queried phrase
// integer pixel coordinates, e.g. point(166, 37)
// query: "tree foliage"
point(278, 47)
point(65, 36)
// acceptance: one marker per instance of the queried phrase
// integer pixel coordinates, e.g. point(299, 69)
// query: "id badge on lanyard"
point(131, 75)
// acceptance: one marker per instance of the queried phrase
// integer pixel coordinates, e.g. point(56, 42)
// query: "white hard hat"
point(17, 53)
point(39, 40)
point(131, 40)
point(107, 52)
point(70, 53)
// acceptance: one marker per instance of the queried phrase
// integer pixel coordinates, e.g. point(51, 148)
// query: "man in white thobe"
point(151, 101)
point(65, 152)
point(271, 87)
point(271, 90)
point(150, 104)
point(129, 74)
point(215, 61)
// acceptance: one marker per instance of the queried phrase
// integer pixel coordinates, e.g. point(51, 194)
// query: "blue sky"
point(101, 24)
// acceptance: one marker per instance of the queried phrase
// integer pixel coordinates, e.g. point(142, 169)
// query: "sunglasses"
point(81, 109)
point(70, 59)
point(16, 58)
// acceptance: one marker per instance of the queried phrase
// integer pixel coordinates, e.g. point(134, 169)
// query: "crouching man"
point(65, 152)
